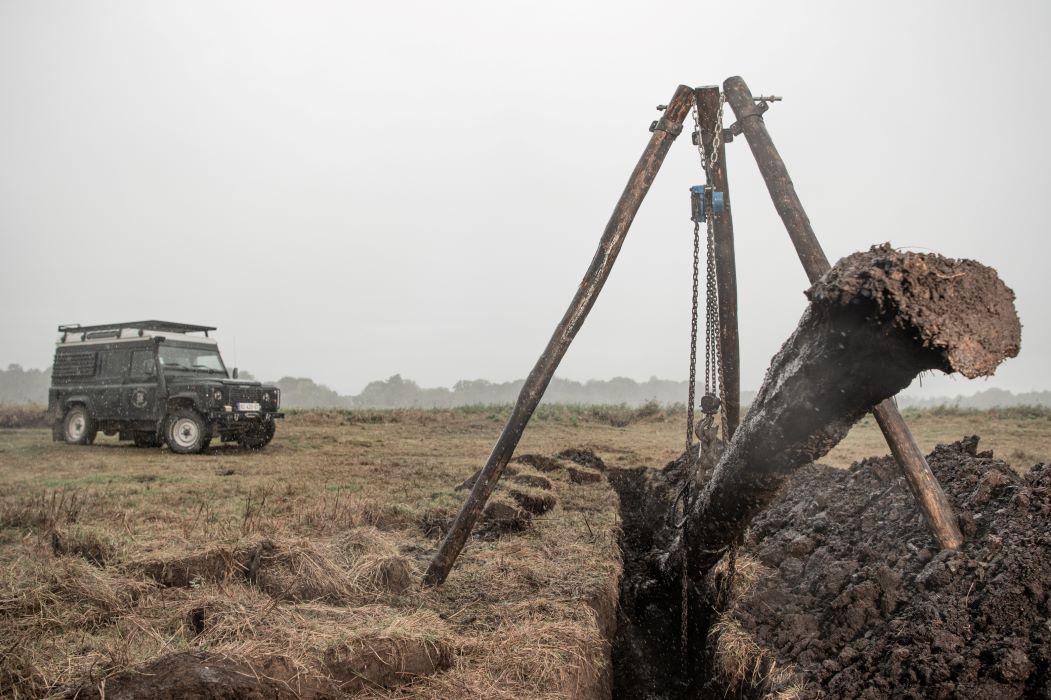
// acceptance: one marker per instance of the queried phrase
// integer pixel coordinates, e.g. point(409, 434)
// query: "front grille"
point(246, 394)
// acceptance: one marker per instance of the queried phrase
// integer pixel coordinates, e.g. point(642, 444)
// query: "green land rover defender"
point(154, 382)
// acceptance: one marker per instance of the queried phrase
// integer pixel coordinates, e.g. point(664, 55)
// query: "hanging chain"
point(713, 329)
point(692, 385)
point(717, 139)
point(713, 370)
point(691, 401)
point(713, 374)
point(717, 134)
point(711, 320)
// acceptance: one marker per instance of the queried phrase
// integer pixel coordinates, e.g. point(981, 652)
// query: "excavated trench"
point(650, 660)
point(647, 649)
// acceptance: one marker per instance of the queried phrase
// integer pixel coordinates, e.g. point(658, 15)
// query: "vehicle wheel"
point(78, 427)
point(186, 431)
point(143, 439)
point(258, 439)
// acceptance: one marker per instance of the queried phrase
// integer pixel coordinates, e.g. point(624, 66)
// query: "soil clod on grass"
point(385, 663)
point(540, 462)
point(88, 544)
point(583, 475)
point(204, 676)
point(536, 501)
point(583, 456)
point(502, 516)
point(536, 481)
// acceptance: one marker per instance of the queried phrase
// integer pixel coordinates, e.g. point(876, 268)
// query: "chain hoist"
point(704, 204)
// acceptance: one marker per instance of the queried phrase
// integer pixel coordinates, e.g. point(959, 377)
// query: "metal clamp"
point(760, 108)
point(666, 125)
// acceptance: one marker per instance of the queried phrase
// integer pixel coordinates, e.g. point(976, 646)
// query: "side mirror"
point(149, 367)
point(235, 373)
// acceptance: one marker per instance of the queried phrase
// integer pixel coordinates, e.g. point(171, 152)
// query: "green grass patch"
point(105, 479)
point(999, 412)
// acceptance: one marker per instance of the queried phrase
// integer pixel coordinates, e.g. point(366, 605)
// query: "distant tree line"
point(20, 386)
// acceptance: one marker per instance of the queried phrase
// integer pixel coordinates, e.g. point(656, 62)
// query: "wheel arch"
point(185, 400)
point(84, 400)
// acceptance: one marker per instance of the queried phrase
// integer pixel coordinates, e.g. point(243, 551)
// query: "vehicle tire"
point(78, 427)
point(258, 439)
point(185, 431)
point(144, 439)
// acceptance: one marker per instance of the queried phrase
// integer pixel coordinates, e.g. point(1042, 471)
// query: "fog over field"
point(356, 191)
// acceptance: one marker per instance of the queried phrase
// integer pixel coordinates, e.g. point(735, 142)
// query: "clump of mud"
point(850, 599)
point(525, 490)
point(583, 456)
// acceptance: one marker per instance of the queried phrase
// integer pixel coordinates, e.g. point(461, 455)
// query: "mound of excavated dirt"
point(854, 602)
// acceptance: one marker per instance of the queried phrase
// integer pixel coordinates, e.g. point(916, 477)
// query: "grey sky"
point(352, 190)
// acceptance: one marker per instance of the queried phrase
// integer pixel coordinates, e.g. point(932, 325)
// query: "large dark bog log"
point(875, 321)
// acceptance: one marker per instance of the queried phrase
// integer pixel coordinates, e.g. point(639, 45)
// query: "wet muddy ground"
point(856, 601)
point(841, 593)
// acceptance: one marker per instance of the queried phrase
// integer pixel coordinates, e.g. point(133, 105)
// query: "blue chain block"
point(701, 198)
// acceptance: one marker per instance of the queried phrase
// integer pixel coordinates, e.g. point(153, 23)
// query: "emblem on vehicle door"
point(138, 398)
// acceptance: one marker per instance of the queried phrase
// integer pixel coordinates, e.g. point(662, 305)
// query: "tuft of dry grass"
point(23, 416)
point(742, 665)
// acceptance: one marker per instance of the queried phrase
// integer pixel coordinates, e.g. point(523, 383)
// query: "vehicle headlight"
point(217, 394)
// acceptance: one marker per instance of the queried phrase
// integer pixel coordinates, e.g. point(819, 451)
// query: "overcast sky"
point(350, 190)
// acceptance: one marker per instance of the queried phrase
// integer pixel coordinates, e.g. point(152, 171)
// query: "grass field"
point(310, 551)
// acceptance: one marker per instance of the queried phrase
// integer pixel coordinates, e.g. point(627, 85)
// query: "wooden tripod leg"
point(664, 132)
point(928, 492)
point(725, 266)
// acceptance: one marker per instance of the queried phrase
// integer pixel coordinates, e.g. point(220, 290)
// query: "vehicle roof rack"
point(162, 326)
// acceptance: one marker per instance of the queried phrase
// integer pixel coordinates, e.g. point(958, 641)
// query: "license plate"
point(248, 407)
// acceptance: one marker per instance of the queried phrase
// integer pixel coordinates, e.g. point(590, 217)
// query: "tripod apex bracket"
point(704, 199)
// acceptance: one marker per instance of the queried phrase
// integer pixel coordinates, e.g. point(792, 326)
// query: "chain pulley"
point(705, 204)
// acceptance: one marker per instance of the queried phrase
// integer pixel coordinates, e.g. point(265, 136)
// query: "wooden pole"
point(708, 107)
point(925, 487)
point(664, 133)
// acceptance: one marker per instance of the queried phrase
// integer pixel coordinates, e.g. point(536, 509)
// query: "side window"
point(114, 363)
point(142, 363)
point(70, 365)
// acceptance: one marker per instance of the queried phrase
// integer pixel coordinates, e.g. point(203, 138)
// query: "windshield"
point(191, 359)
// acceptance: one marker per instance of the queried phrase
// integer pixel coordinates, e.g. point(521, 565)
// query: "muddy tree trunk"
point(875, 321)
